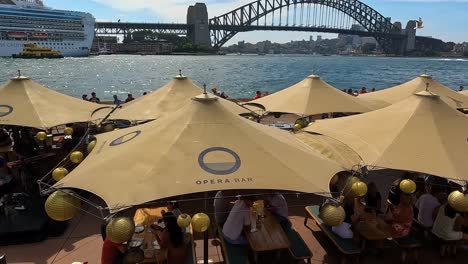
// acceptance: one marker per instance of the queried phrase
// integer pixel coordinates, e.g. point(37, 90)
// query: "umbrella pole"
point(205, 237)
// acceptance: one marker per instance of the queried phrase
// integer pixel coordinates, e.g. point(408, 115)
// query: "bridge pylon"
point(199, 31)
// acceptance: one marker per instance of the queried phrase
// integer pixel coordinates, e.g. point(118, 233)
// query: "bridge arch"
point(225, 26)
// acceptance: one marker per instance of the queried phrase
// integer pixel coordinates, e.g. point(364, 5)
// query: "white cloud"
point(172, 10)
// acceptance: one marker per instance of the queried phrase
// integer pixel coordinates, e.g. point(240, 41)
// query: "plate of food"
point(139, 228)
point(135, 243)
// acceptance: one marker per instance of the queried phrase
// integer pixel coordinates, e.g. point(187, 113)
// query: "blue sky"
point(445, 19)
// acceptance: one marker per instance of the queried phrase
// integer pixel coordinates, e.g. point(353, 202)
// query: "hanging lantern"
point(458, 201)
point(134, 256)
point(332, 215)
point(297, 127)
point(348, 188)
point(408, 186)
point(91, 146)
point(59, 173)
point(68, 131)
point(302, 122)
point(120, 230)
point(200, 222)
point(41, 135)
point(251, 118)
point(184, 221)
point(76, 157)
point(61, 205)
point(109, 127)
point(359, 189)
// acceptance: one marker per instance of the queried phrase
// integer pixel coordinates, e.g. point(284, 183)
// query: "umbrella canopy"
point(312, 96)
point(332, 149)
point(24, 102)
point(167, 99)
point(421, 83)
point(465, 92)
point(421, 133)
point(202, 147)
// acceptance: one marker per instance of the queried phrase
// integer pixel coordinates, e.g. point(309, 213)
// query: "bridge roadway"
point(123, 27)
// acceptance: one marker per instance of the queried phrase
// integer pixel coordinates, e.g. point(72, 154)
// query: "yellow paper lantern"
point(348, 188)
point(120, 229)
point(59, 173)
point(297, 126)
point(61, 205)
point(359, 189)
point(332, 215)
point(302, 122)
point(184, 221)
point(76, 157)
point(134, 256)
point(251, 118)
point(68, 131)
point(41, 135)
point(408, 186)
point(109, 127)
point(458, 201)
point(91, 146)
point(200, 222)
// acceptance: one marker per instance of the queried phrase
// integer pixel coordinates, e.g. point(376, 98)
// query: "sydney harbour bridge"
point(330, 16)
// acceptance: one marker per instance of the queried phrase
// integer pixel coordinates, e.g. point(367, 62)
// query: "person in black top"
point(93, 98)
point(373, 198)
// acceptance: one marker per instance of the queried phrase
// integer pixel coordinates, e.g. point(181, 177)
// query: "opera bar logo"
point(220, 161)
point(5, 110)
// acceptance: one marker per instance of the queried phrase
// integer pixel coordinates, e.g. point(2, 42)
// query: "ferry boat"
point(30, 22)
point(32, 51)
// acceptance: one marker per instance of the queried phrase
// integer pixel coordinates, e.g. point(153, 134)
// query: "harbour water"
point(238, 75)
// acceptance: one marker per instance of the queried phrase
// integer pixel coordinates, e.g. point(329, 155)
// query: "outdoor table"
point(146, 217)
point(268, 237)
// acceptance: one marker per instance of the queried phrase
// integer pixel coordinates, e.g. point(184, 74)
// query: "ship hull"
point(9, 48)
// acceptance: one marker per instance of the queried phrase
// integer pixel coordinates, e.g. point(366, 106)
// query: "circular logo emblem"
point(125, 138)
point(5, 110)
point(219, 161)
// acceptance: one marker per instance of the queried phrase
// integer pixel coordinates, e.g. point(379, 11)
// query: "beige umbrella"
point(465, 92)
point(332, 149)
point(421, 133)
point(167, 99)
point(312, 96)
point(202, 147)
point(400, 92)
point(24, 102)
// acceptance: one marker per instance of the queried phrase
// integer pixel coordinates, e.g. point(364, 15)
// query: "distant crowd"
point(116, 101)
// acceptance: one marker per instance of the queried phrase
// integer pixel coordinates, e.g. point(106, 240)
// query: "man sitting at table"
point(276, 203)
point(238, 220)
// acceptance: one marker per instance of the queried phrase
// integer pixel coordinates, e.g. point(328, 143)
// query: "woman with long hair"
point(171, 238)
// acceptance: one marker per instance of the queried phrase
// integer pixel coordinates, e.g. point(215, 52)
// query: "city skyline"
point(443, 19)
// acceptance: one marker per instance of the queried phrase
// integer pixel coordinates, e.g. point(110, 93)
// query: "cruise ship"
point(29, 21)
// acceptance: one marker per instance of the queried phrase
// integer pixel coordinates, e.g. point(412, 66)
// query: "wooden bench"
point(447, 247)
point(347, 247)
point(232, 254)
point(409, 245)
point(297, 247)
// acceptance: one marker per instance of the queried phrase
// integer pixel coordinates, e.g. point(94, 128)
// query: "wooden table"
point(146, 217)
point(268, 237)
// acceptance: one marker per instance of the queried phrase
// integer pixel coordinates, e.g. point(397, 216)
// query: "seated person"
point(353, 208)
point(276, 203)
point(222, 206)
point(173, 207)
point(400, 217)
point(448, 224)
point(112, 253)
point(238, 220)
point(426, 205)
point(373, 198)
point(171, 238)
point(371, 226)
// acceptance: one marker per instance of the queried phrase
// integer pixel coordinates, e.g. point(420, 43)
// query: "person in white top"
point(222, 206)
point(448, 224)
point(426, 205)
point(276, 203)
point(238, 220)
